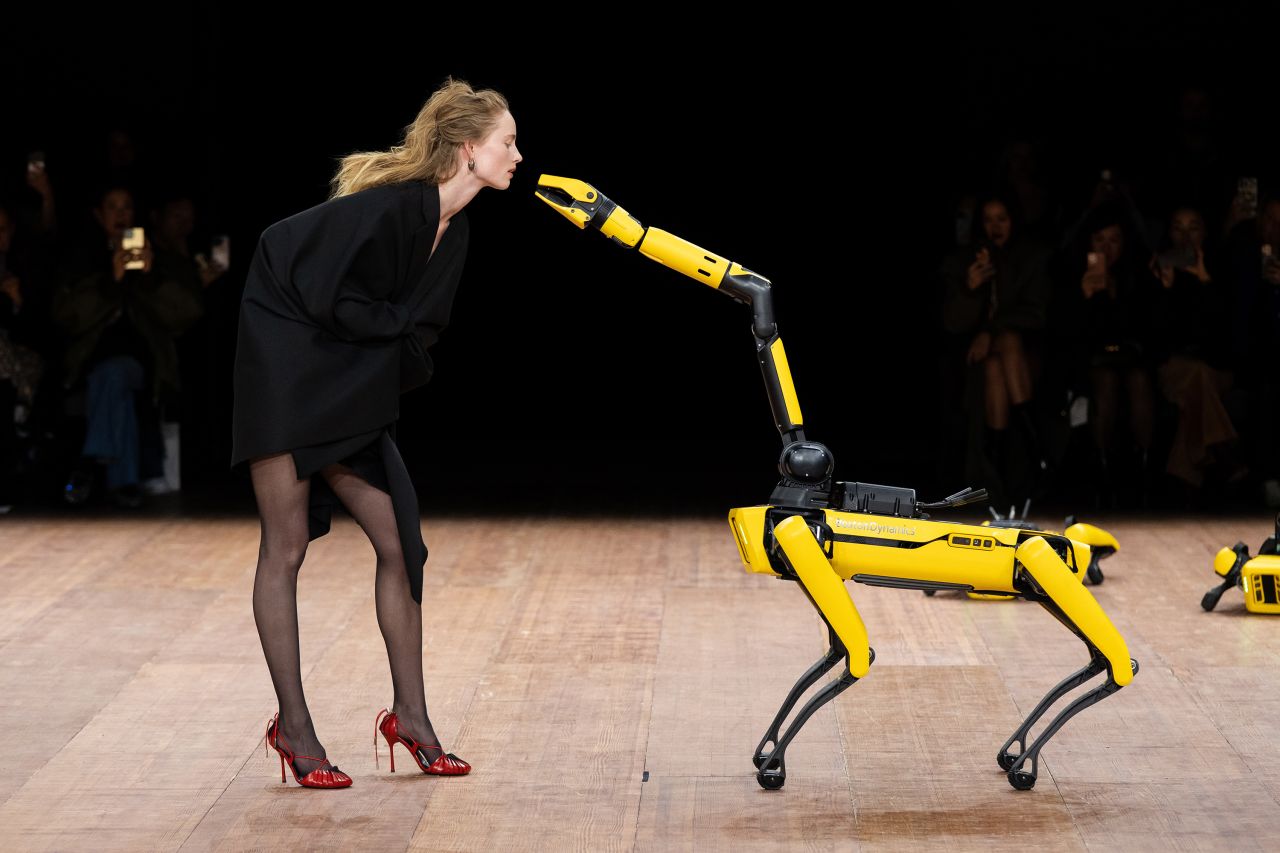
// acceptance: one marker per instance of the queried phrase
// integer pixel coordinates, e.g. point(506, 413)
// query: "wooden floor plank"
point(558, 755)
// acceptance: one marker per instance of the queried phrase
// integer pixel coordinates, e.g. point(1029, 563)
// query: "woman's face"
point(115, 213)
point(1108, 242)
point(496, 155)
point(996, 223)
point(1186, 228)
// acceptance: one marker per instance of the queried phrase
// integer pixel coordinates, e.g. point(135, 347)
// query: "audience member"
point(997, 290)
point(1105, 303)
point(120, 318)
point(1188, 320)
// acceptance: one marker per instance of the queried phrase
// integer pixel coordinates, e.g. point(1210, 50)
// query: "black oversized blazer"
point(340, 305)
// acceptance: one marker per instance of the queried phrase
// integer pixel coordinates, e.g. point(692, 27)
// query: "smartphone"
point(1247, 192)
point(1178, 258)
point(35, 161)
point(220, 251)
point(134, 239)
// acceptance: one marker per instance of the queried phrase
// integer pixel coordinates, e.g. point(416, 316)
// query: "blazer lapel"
point(423, 239)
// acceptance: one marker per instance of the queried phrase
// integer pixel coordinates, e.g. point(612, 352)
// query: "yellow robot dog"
point(820, 533)
point(1258, 578)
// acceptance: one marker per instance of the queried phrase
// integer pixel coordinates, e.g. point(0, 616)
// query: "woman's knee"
point(1008, 344)
point(282, 552)
point(993, 372)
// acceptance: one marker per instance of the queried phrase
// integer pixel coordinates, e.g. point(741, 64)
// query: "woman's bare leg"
point(996, 393)
point(399, 616)
point(282, 505)
point(1017, 382)
point(1013, 361)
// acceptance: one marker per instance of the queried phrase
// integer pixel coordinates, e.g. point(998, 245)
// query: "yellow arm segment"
point(684, 257)
point(1077, 604)
point(806, 557)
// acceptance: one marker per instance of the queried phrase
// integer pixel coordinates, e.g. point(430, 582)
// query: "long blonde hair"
point(454, 114)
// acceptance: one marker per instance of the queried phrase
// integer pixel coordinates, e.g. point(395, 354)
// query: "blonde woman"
point(340, 305)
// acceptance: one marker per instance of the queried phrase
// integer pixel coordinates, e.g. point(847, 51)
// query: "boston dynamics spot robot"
point(1258, 578)
point(820, 532)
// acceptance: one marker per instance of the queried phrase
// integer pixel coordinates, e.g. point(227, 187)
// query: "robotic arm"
point(584, 206)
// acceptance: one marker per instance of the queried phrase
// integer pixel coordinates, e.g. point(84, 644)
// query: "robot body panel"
point(1260, 580)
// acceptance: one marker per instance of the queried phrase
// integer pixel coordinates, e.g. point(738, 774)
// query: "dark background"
point(824, 152)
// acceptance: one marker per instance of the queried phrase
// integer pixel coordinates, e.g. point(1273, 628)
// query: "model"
point(341, 303)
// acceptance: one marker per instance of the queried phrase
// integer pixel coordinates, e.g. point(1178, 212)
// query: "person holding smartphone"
point(341, 303)
point(1107, 300)
point(997, 294)
point(119, 318)
point(1189, 337)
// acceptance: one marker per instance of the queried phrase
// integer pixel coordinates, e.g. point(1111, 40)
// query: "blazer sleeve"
point(345, 267)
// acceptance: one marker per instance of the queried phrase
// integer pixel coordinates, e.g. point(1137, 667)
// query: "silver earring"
point(471, 164)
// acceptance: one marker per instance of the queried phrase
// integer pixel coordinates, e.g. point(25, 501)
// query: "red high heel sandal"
point(447, 764)
point(321, 777)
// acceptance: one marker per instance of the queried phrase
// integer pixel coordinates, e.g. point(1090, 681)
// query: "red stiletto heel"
point(447, 764)
point(321, 777)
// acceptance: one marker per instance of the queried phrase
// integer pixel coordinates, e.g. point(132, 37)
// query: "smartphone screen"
point(133, 240)
point(220, 252)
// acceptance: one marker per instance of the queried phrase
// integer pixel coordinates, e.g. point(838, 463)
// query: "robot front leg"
point(835, 653)
point(826, 592)
point(1005, 758)
point(1073, 606)
point(771, 763)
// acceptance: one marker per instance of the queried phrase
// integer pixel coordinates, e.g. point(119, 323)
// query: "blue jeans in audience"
point(112, 432)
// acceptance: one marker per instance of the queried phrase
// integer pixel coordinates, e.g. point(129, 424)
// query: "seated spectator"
point(1188, 323)
point(1106, 301)
point(997, 290)
point(120, 324)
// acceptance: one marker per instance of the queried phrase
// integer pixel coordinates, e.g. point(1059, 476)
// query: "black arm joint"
point(600, 213)
point(754, 291)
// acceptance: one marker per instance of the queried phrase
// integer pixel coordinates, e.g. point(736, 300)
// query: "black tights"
point(282, 504)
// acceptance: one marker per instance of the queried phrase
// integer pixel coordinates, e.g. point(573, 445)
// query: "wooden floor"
point(589, 652)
